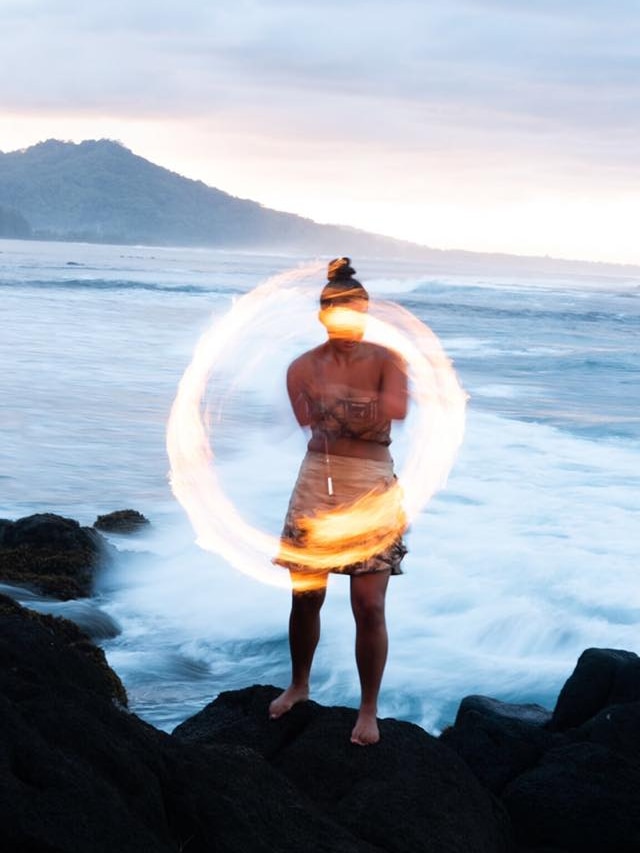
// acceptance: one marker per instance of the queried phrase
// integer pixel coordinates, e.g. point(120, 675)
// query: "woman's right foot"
point(285, 701)
point(365, 731)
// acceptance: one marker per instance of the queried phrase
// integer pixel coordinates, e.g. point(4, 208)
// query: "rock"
point(51, 553)
point(121, 521)
point(581, 797)
point(42, 654)
point(91, 620)
point(499, 741)
point(571, 780)
point(543, 849)
point(79, 773)
point(616, 727)
point(602, 677)
point(529, 714)
point(408, 793)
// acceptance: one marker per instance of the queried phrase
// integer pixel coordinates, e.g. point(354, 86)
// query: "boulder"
point(616, 727)
point(44, 655)
point(602, 677)
point(121, 521)
point(408, 793)
point(569, 780)
point(581, 797)
point(52, 554)
point(498, 740)
point(78, 772)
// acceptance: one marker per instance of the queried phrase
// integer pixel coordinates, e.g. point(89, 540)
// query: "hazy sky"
point(492, 125)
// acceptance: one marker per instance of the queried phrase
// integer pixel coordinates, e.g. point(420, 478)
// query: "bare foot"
point(366, 730)
point(285, 701)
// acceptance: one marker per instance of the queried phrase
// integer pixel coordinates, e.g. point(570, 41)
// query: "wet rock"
point(93, 621)
point(571, 780)
point(46, 656)
point(86, 614)
point(80, 773)
point(499, 741)
point(616, 727)
point(581, 797)
point(52, 554)
point(408, 793)
point(121, 521)
point(602, 677)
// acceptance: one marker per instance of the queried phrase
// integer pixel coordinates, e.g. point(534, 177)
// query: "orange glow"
point(350, 533)
point(345, 322)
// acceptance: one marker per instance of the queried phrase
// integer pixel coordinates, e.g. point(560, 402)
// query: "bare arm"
point(296, 388)
point(394, 393)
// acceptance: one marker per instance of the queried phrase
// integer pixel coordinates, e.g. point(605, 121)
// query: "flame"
point(345, 322)
point(346, 534)
point(351, 533)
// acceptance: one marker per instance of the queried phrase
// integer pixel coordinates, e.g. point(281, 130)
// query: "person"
point(347, 391)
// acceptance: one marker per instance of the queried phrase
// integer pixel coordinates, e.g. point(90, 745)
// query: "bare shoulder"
point(304, 364)
point(385, 355)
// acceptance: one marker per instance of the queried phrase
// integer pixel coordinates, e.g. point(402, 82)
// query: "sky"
point(487, 125)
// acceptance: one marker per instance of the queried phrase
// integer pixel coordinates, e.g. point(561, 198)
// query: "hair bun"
point(340, 269)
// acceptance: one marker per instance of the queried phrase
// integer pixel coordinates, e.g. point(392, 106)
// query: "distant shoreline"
point(100, 192)
point(435, 261)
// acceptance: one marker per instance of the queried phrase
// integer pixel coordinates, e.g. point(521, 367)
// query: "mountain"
point(13, 224)
point(99, 191)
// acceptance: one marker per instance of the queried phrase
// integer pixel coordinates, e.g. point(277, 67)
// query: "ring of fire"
point(347, 534)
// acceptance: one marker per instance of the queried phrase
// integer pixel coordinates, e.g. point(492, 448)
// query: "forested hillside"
point(100, 191)
point(13, 224)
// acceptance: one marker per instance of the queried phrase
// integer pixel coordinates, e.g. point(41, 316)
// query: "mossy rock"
point(121, 521)
point(50, 553)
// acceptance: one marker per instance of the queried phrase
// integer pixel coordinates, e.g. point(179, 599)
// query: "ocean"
point(527, 556)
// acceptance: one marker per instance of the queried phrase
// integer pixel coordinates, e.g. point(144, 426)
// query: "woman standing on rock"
point(347, 391)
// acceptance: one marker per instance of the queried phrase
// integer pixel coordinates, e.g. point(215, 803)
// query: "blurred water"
point(528, 557)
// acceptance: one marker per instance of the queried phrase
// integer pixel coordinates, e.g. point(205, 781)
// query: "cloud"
point(428, 99)
point(461, 52)
point(545, 68)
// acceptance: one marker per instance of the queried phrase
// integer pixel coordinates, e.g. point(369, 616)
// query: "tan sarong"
point(344, 516)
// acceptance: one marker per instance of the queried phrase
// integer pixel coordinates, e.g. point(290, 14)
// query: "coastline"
point(503, 777)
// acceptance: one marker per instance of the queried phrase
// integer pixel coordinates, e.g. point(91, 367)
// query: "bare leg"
point(367, 602)
point(304, 633)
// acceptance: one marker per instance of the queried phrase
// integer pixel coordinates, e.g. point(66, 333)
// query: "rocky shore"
point(51, 554)
point(80, 773)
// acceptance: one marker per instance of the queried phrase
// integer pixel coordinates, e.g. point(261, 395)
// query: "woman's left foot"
point(365, 731)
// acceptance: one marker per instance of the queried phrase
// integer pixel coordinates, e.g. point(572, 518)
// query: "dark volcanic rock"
point(93, 621)
point(571, 782)
point(41, 652)
point(121, 521)
point(616, 727)
point(84, 612)
point(51, 553)
point(409, 793)
point(78, 773)
point(499, 741)
point(602, 677)
point(582, 797)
